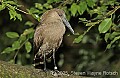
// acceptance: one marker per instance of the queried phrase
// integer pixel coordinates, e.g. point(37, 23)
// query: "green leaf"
point(8, 50)
point(12, 14)
point(107, 35)
point(33, 10)
point(90, 3)
point(115, 39)
point(73, 9)
point(28, 31)
point(22, 38)
point(16, 45)
point(47, 6)
point(108, 46)
point(50, 1)
point(39, 6)
point(30, 36)
point(19, 17)
point(82, 19)
point(105, 25)
point(113, 35)
point(77, 40)
point(2, 7)
point(82, 7)
point(28, 46)
point(29, 23)
point(12, 34)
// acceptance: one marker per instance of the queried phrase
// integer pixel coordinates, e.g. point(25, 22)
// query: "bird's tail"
point(38, 60)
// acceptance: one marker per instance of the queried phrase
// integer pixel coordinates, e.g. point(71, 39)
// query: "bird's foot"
point(55, 68)
point(45, 70)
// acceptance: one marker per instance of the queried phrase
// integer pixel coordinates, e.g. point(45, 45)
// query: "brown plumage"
point(49, 34)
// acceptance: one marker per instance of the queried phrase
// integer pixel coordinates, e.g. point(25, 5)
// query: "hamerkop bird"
point(49, 35)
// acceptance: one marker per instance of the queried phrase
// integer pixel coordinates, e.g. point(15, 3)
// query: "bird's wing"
point(38, 38)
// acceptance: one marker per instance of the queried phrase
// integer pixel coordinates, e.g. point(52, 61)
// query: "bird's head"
point(57, 13)
point(62, 15)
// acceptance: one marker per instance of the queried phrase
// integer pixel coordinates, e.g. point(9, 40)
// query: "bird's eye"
point(60, 14)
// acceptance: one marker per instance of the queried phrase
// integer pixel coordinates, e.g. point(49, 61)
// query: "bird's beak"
point(65, 21)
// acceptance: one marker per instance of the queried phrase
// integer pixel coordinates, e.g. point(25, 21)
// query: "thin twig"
point(20, 47)
point(21, 11)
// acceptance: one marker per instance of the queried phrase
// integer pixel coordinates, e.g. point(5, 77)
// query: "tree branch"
point(8, 70)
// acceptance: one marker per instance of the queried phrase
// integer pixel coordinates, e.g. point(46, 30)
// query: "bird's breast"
point(53, 32)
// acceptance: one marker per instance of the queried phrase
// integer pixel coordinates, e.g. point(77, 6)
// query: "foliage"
point(97, 16)
point(11, 6)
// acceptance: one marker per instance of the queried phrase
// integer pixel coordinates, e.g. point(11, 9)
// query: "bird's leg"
point(37, 54)
point(34, 59)
point(44, 60)
point(55, 67)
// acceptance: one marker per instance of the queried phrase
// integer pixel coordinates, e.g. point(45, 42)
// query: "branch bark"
point(8, 70)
